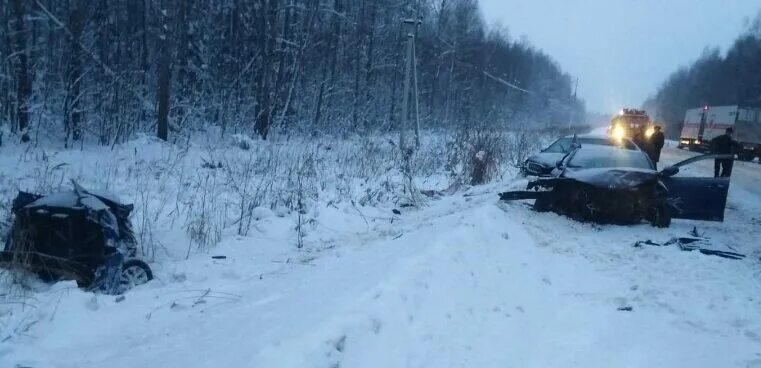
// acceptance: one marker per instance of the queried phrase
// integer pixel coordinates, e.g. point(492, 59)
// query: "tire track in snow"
point(480, 296)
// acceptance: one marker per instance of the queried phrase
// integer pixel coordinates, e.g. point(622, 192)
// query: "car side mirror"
point(669, 171)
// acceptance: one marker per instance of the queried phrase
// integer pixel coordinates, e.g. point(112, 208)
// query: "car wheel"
point(660, 216)
point(134, 272)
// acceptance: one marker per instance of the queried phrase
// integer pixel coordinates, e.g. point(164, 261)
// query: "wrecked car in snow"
point(75, 235)
point(543, 162)
point(608, 184)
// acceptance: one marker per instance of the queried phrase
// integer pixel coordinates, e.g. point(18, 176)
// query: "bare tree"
point(23, 87)
point(129, 66)
point(164, 78)
point(73, 102)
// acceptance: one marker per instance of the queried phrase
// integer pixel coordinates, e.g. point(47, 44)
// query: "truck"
point(630, 123)
point(703, 124)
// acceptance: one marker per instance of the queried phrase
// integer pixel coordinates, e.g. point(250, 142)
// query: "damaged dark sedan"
point(609, 184)
point(76, 235)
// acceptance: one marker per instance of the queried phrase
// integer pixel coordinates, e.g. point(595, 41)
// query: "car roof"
point(600, 147)
point(591, 136)
point(602, 137)
point(69, 199)
point(588, 135)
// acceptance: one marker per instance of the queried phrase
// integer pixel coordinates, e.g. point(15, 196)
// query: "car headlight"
point(618, 132)
point(649, 132)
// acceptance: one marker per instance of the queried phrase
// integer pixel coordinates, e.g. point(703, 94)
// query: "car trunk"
point(57, 243)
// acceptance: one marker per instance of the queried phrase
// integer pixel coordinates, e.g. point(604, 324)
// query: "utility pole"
point(410, 78)
point(575, 87)
point(571, 111)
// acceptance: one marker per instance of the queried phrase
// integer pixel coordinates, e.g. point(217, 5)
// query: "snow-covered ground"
point(463, 282)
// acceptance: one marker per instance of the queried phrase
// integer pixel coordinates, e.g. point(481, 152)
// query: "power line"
point(506, 83)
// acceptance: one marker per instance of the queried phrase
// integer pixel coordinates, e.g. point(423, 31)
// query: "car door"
point(697, 197)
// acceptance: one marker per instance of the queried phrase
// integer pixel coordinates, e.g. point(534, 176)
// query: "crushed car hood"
point(547, 159)
point(612, 178)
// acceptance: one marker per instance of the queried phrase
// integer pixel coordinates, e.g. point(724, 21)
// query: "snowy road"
point(469, 283)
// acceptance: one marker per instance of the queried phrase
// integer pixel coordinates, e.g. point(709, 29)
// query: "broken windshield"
point(607, 156)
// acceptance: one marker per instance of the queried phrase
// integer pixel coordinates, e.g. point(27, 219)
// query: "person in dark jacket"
point(724, 144)
point(657, 140)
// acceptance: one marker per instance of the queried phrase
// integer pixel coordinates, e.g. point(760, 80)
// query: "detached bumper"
point(523, 194)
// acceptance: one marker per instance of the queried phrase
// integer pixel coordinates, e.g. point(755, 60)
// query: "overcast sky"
point(622, 49)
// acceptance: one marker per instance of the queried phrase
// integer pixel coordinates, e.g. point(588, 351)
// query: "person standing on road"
point(657, 140)
point(724, 145)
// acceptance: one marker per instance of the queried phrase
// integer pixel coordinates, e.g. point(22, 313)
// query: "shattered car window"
point(605, 156)
point(562, 145)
